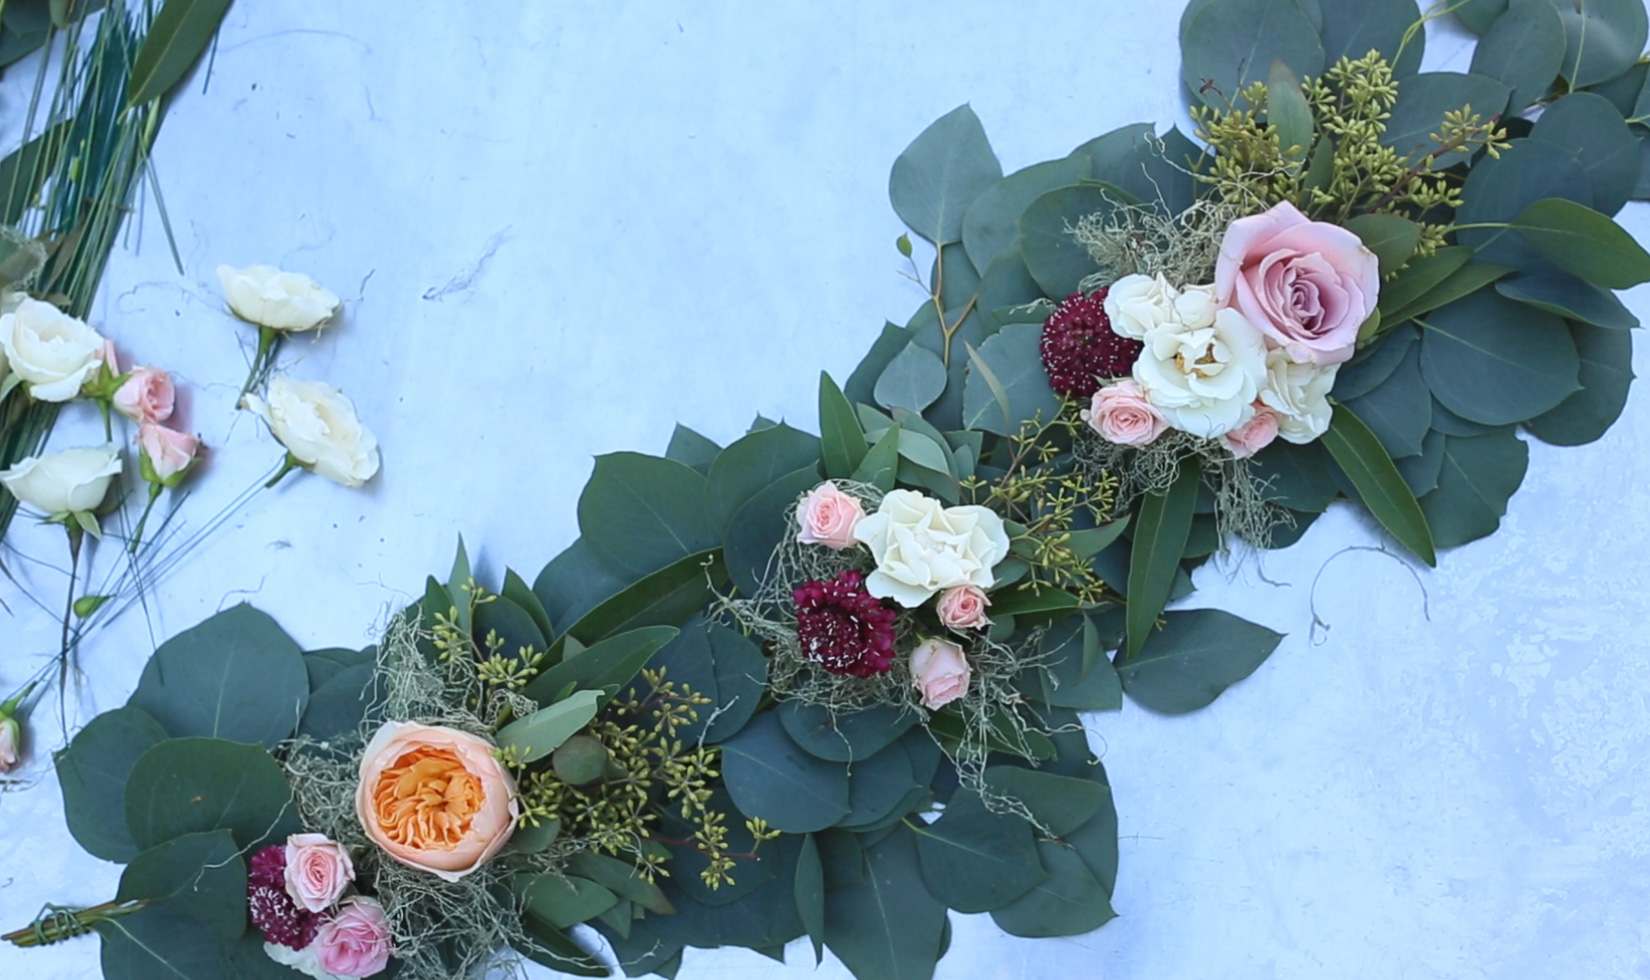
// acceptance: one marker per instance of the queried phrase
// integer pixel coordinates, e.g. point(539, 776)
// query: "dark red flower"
point(272, 910)
point(843, 627)
point(1079, 347)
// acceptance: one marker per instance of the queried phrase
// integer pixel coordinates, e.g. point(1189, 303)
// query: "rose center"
point(427, 800)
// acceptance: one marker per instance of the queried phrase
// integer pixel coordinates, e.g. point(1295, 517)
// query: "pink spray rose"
point(1308, 285)
point(317, 870)
point(827, 516)
point(106, 354)
point(1254, 435)
point(355, 942)
point(145, 396)
point(962, 607)
point(940, 671)
point(167, 453)
point(1121, 414)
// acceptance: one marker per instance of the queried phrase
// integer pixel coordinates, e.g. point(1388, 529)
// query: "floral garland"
point(780, 686)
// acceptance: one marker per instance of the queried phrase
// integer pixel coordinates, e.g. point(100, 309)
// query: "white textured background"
point(560, 227)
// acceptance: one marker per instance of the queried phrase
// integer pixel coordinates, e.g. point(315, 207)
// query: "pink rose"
point(106, 354)
point(167, 453)
point(1254, 435)
point(356, 941)
point(435, 798)
point(1121, 414)
point(1307, 285)
point(145, 396)
point(962, 607)
point(317, 870)
point(827, 516)
point(940, 671)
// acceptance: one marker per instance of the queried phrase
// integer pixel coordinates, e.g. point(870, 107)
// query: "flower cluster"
point(1250, 357)
point(297, 897)
point(57, 358)
point(921, 549)
point(314, 421)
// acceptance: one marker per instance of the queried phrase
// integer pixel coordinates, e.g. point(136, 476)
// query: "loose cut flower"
point(51, 350)
point(279, 300)
point(64, 482)
point(317, 424)
point(1080, 347)
point(843, 627)
point(146, 395)
point(435, 798)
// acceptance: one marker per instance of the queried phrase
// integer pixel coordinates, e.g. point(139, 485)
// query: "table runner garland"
point(828, 686)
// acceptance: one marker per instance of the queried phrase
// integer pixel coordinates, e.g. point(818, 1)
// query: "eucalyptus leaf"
point(1418, 278)
point(1609, 151)
point(1497, 189)
point(845, 736)
point(1061, 804)
point(610, 663)
point(1399, 409)
point(574, 583)
point(198, 785)
point(1569, 297)
point(1390, 237)
point(977, 859)
point(1606, 375)
point(1374, 364)
point(1602, 38)
point(1195, 657)
point(201, 876)
point(621, 878)
point(1009, 365)
point(1477, 15)
point(1298, 476)
point(993, 220)
point(1523, 49)
point(235, 676)
point(662, 598)
point(1495, 361)
point(1069, 902)
point(1055, 259)
point(92, 773)
point(1584, 243)
point(1422, 102)
point(1352, 30)
point(881, 463)
point(758, 526)
point(1479, 476)
point(1228, 44)
point(810, 895)
point(640, 513)
point(771, 777)
point(912, 380)
point(751, 464)
point(862, 382)
point(543, 731)
point(691, 448)
point(886, 924)
point(941, 173)
point(565, 901)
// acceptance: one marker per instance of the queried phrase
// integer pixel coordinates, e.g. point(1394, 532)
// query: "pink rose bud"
point(11, 743)
point(962, 607)
point(1254, 435)
point(827, 516)
point(167, 453)
point(940, 671)
point(106, 354)
point(317, 870)
point(145, 396)
point(356, 942)
point(1308, 285)
point(1120, 413)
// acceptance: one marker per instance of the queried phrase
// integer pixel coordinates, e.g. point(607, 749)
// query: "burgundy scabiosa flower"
point(1079, 347)
point(843, 627)
point(271, 909)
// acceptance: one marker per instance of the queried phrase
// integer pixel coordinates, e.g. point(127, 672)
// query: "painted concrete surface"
point(558, 228)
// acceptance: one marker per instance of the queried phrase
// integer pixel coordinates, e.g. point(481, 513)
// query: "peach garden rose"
point(435, 798)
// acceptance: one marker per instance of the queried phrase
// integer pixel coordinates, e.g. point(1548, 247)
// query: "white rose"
point(1138, 304)
point(1204, 379)
point(284, 301)
point(922, 547)
point(63, 482)
point(306, 961)
point(317, 425)
point(1299, 393)
point(1195, 306)
point(51, 350)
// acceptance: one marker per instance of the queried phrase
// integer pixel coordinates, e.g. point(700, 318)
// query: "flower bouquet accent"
point(828, 686)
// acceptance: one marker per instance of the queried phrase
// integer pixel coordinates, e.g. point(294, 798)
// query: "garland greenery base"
point(780, 688)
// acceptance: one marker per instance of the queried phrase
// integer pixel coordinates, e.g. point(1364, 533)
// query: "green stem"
point(137, 535)
point(76, 538)
point(57, 923)
point(287, 466)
